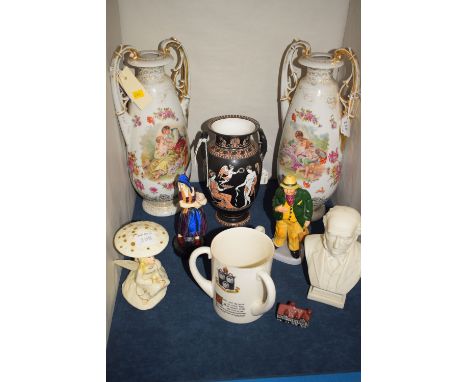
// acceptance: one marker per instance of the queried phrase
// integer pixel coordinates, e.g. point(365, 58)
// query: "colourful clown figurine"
point(191, 225)
point(292, 208)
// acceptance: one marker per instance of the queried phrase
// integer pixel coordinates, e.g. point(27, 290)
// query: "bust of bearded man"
point(334, 258)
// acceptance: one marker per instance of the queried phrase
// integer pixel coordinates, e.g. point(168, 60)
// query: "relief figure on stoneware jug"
point(234, 166)
point(233, 188)
point(217, 190)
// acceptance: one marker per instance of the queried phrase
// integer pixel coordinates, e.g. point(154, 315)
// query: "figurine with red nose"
point(191, 224)
point(292, 208)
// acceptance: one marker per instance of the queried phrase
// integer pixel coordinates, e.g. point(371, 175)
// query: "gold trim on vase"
point(349, 95)
point(180, 73)
point(293, 79)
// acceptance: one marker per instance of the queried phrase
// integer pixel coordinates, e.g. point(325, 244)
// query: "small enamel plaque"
point(346, 126)
point(134, 89)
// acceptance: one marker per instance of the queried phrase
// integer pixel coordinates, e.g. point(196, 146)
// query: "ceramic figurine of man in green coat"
point(292, 207)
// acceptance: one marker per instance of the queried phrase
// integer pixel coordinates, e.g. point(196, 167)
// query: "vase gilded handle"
point(180, 72)
point(118, 95)
point(350, 90)
point(290, 75)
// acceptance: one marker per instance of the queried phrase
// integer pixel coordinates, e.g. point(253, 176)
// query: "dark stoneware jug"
point(234, 166)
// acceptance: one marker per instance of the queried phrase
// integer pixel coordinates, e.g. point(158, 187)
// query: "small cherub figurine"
point(334, 258)
point(292, 208)
point(146, 284)
point(191, 225)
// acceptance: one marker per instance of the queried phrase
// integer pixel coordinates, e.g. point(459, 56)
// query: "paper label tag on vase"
point(345, 126)
point(134, 89)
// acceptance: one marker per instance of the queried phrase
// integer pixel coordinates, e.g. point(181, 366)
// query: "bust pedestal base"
point(326, 297)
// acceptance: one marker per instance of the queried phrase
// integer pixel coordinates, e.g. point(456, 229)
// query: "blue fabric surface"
point(183, 339)
point(342, 377)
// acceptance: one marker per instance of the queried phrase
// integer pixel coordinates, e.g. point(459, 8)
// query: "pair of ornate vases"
point(311, 146)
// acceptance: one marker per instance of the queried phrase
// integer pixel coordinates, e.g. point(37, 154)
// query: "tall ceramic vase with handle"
point(156, 135)
point(316, 113)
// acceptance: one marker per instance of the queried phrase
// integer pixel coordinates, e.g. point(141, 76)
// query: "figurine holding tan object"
point(334, 258)
point(146, 284)
point(292, 208)
point(191, 225)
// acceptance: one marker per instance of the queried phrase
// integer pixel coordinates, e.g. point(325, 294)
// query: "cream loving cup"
point(241, 286)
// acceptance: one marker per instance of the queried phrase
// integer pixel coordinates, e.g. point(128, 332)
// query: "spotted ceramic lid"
point(141, 239)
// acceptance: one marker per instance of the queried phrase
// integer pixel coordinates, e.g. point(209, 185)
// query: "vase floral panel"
point(161, 153)
point(310, 150)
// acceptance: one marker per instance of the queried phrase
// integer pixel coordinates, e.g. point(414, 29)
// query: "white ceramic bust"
point(146, 284)
point(334, 258)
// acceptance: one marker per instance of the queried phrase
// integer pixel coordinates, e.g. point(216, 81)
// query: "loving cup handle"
point(259, 308)
point(205, 284)
point(260, 228)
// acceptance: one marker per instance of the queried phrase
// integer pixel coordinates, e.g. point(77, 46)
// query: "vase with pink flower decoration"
point(155, 135)
point(316, 113)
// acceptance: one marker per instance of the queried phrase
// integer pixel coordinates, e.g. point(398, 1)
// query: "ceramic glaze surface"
point(241, 286)
point(311, 144)
point(146, 284)
point(334, 258)
point(234, 162)
point(158, 144)
point(156, 136)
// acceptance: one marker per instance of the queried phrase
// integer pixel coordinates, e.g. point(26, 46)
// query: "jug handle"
point(180, 73)
point(259, 308)
point(119, 97)
point(204, 138)
point(262, 141)
point(289, 76)
point(349, 94)
point(205, 284)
